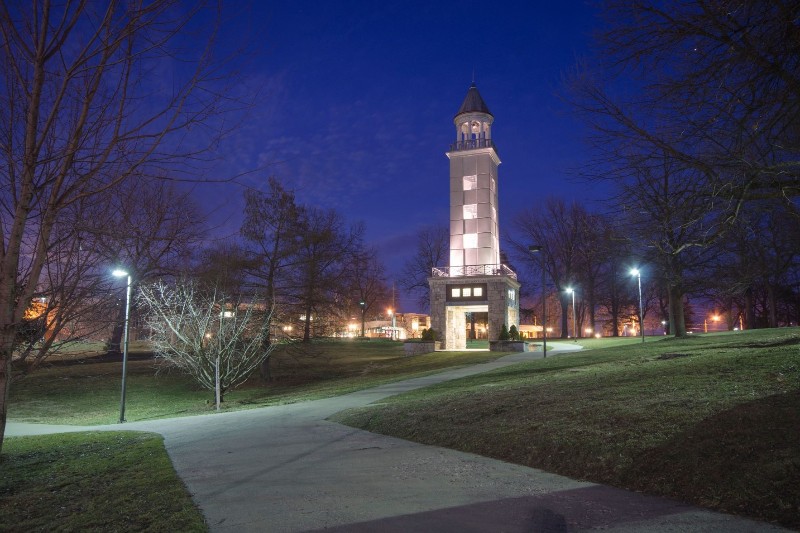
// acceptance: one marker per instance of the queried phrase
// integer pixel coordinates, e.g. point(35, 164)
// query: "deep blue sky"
point(357, 98)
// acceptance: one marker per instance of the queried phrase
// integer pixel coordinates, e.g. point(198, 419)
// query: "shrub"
point(504, 335)
point(514, 333)
point(429, 335)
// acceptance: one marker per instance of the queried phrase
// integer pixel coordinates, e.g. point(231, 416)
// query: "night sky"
point(356, 102)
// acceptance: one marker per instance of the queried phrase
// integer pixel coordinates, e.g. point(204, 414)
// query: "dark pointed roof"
point(473, 103)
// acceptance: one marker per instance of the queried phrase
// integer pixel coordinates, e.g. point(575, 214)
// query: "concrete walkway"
point(286, 468)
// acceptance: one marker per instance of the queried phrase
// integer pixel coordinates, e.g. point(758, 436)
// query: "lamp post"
point(363, 306)
point(121, 274)
point(638, 274)
point(574, 321)
point(391, 314)
point(536, 249)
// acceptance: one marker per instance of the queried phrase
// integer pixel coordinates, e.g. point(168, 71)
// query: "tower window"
point(470, 240)
point(470, 211)
point(470, 183)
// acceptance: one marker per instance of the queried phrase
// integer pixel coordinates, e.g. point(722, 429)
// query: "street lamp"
point(536, 249)
point(635, 272)
point(363, 306)
point(121, 274)
point(574, 322)
point(391, 314)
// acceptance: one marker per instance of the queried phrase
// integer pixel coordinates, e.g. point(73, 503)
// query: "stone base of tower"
point(452, 297)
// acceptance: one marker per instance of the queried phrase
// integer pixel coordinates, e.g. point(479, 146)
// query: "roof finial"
point(473, 74)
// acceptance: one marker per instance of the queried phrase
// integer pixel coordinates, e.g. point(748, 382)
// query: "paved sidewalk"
point(287, 469)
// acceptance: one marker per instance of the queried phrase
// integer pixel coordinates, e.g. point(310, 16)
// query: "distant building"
point(406, 326)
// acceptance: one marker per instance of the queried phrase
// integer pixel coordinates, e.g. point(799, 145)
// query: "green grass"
point(710, 419)
point(88, 393)
point(121, 481)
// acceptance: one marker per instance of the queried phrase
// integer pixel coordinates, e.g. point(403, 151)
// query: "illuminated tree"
point(216, 338)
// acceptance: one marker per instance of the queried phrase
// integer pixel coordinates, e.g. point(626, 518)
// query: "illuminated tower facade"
point(475, 283)
point(474, 239)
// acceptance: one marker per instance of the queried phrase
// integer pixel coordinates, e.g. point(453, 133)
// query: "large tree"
point(558, 228)
point(150, 232)
point(80, 112)
point(326, 248)
point(713, 85)
point(695, 108)
point(271, 233)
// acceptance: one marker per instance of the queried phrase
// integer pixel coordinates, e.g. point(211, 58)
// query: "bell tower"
point(474, 240)
point(475, 283)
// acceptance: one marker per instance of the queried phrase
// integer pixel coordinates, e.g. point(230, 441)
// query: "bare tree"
point(74, 297)
point(758, 257)
point(367, 282)
point(80, 113)
point(150, 232)
point(558, 229)
point(272, 239)
point(719, 90)
point(432, 250)
point(702, 100)
point(326, 248)
point(674, 222)
point(271, 231)
point(217, 339)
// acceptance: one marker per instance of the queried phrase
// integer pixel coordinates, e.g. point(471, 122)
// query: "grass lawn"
point(125, 481)
point(88, 392)
point(710, 419)
point(120, 481)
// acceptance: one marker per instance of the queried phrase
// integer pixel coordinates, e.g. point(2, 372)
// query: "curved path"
point(286, 468)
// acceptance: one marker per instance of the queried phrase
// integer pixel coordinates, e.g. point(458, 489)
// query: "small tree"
point(218, 340)
point(513, 333)
point(504, 335)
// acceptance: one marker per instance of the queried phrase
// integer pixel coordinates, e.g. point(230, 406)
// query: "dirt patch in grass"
point(665, 356)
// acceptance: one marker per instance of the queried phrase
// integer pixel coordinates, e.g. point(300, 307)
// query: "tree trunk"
point(564, 313)
point(772, 304)
point(5, 383)
point(115, 342)
point(677, 322)
point(264, 369)
point(217, 388)
point(307, 325)
point(749, 309)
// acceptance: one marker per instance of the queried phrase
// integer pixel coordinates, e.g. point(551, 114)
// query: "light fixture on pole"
point(121, 274)
point(391, 314)
point(638, 274)
point(363, 305)
point(536, 249)
point(574, 321)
